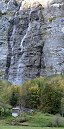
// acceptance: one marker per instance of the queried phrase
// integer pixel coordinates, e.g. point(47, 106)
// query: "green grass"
point(38, 119)
point(17, 127)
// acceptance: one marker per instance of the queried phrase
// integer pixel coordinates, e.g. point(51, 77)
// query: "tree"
point(14, 98)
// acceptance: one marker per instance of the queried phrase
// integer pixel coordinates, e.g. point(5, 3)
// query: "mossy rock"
point(1, 73)
point(50, 19)
point(1, 14)
point(6, 1)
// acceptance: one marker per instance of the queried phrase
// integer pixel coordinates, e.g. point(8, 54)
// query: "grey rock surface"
point(31, 39)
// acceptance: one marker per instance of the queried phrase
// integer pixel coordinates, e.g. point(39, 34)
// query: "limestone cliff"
point(31, 39)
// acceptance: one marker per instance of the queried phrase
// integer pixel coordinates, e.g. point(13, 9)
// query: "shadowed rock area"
point(31, 39)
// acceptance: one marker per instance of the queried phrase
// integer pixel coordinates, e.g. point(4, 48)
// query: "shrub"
point(5, 110)
point(57, 121)
point(1, 111)
point(62, 106)
point(19, 120)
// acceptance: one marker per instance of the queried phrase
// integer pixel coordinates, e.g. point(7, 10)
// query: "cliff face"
point(31, 39)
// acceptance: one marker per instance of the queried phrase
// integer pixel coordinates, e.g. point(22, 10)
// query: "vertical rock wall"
point(33, 44)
